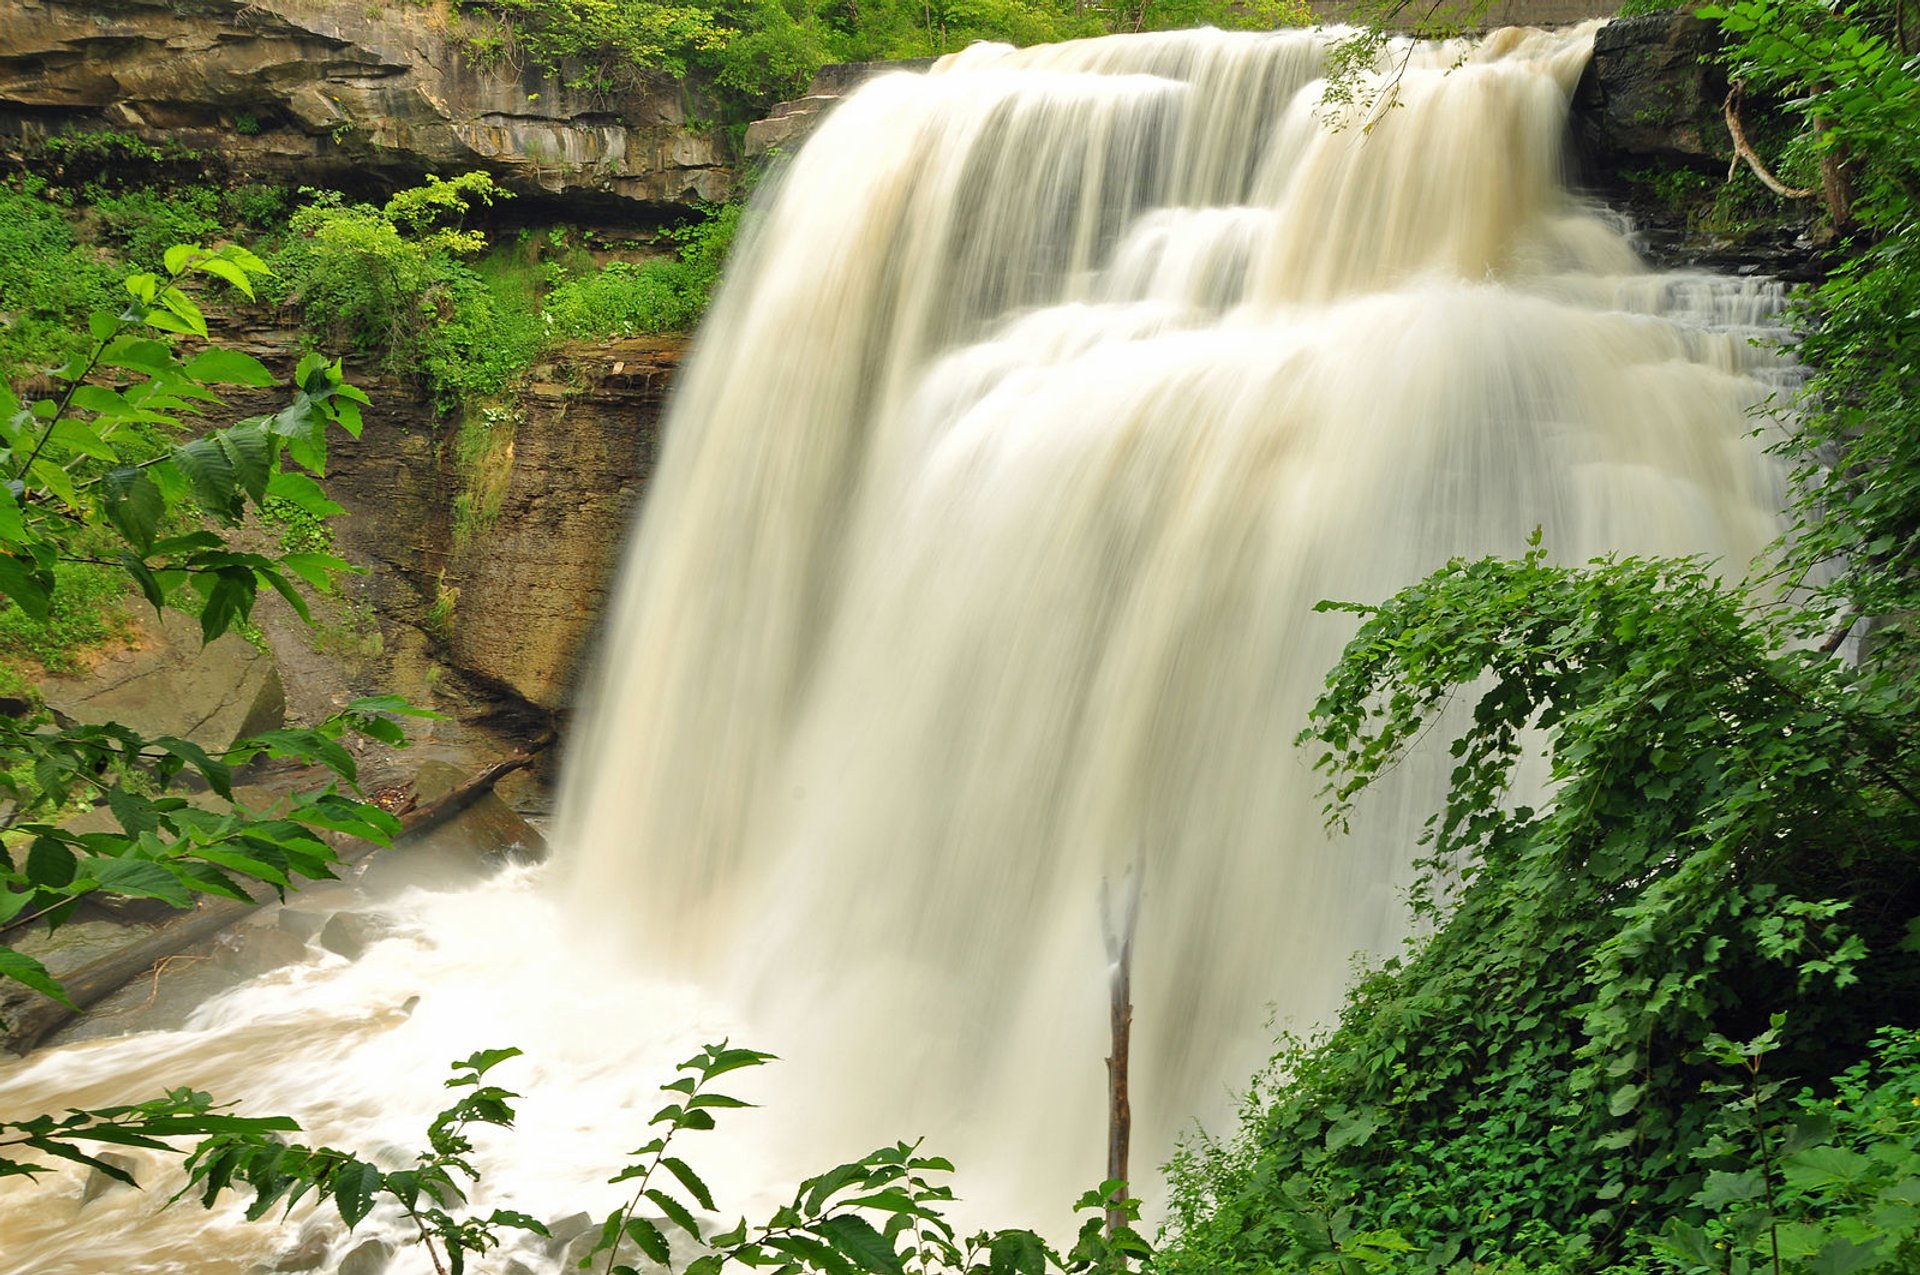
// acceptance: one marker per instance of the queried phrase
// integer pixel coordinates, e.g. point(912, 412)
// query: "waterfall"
point(1048, 392)
point(1051, 391)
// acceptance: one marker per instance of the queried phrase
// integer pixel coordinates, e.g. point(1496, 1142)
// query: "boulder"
point(1654, 91)
point(368, 1257)
point(170, 683)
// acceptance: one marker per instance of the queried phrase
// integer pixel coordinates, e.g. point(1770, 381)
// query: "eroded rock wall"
point(347, 94)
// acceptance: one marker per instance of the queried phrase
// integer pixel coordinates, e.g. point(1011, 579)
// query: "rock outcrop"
point(1650, 136)
point(533, 583)
point(790, 123)
point(169, 683)
point(346, 94)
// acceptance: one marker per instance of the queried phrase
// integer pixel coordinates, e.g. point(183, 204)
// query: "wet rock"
point(533, 587)
point(350, 934)
point(303, 923)
point(1654, 91)
point(349, 93)
point(307, 1255)
point(369, 1257)
point(98, 1183)
point(256, 949)
point(562, 1232)
point(790, 123)
point(1650, 138)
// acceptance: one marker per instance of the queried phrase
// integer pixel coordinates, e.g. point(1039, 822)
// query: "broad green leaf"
point(135, 507)
point(26, 584)
point(675, 1211)
point(22, 968)
point(856, 1238)
point(303, 492)
point(56, 480)
point(139, 354)
point(135, 813)
point(647, 1236)
point(211, 474)
point(250, 451)
point(317, 570)
point(229, 367)
point(354, 1188)
point(689, 1179)
point(179, 256)
point(140, 878)
point(221, 268)
point(229, 601)
point(51, 863)
point(13, 527)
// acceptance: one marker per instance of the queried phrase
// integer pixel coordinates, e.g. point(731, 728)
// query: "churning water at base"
point(1050, 391)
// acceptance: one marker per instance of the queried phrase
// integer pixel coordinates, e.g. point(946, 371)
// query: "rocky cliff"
point(308, 91)
point(485, 572)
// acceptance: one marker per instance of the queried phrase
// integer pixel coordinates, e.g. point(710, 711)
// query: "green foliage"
point(48, 281)
point(879, 1215)
point(758, 51)
point(391, 282)
point(87, 486)
point(114, 160)
point(83, 612)
point(142, 223)
point(1827, 1183)
point(257, 206)
point(658, 296)
point(1732, 830)
point(281, 1174)
point(1856, 452)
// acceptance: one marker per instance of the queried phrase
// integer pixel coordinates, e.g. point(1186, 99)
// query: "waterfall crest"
point(1049, 393)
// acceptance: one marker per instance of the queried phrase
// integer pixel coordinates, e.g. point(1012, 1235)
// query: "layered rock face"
point(313, 91)
point(533, 584)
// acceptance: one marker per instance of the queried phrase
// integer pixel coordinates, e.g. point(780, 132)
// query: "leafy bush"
point(143, 223)
point(660, 296)
point(390, 282)
point(1732, 832)
point(48, 281)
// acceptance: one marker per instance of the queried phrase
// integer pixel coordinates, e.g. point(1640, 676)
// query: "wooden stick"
point(1118, 918)
point(1741, 150)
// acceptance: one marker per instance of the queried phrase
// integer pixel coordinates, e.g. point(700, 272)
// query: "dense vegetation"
point(758, 51)
point(1667, 1020)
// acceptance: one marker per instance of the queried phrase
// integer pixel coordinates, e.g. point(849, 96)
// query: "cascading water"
point(1050, 391)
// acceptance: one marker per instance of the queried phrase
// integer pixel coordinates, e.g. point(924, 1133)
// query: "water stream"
point(1048, 393)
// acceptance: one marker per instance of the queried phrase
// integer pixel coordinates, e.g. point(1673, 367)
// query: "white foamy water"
point(1050, 391)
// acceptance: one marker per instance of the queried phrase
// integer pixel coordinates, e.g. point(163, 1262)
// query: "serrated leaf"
point(13, 526)
point(22, 968)
point(210, 473)
point(30, 588)
point(649, 1239)
point(690, 1180)
point(302, 492)
point(675, 1211)
point(856, 1238)
point(354, 1188)
point(135, 507)
point(229, 601)
point(139, 878)
point(135, 813)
